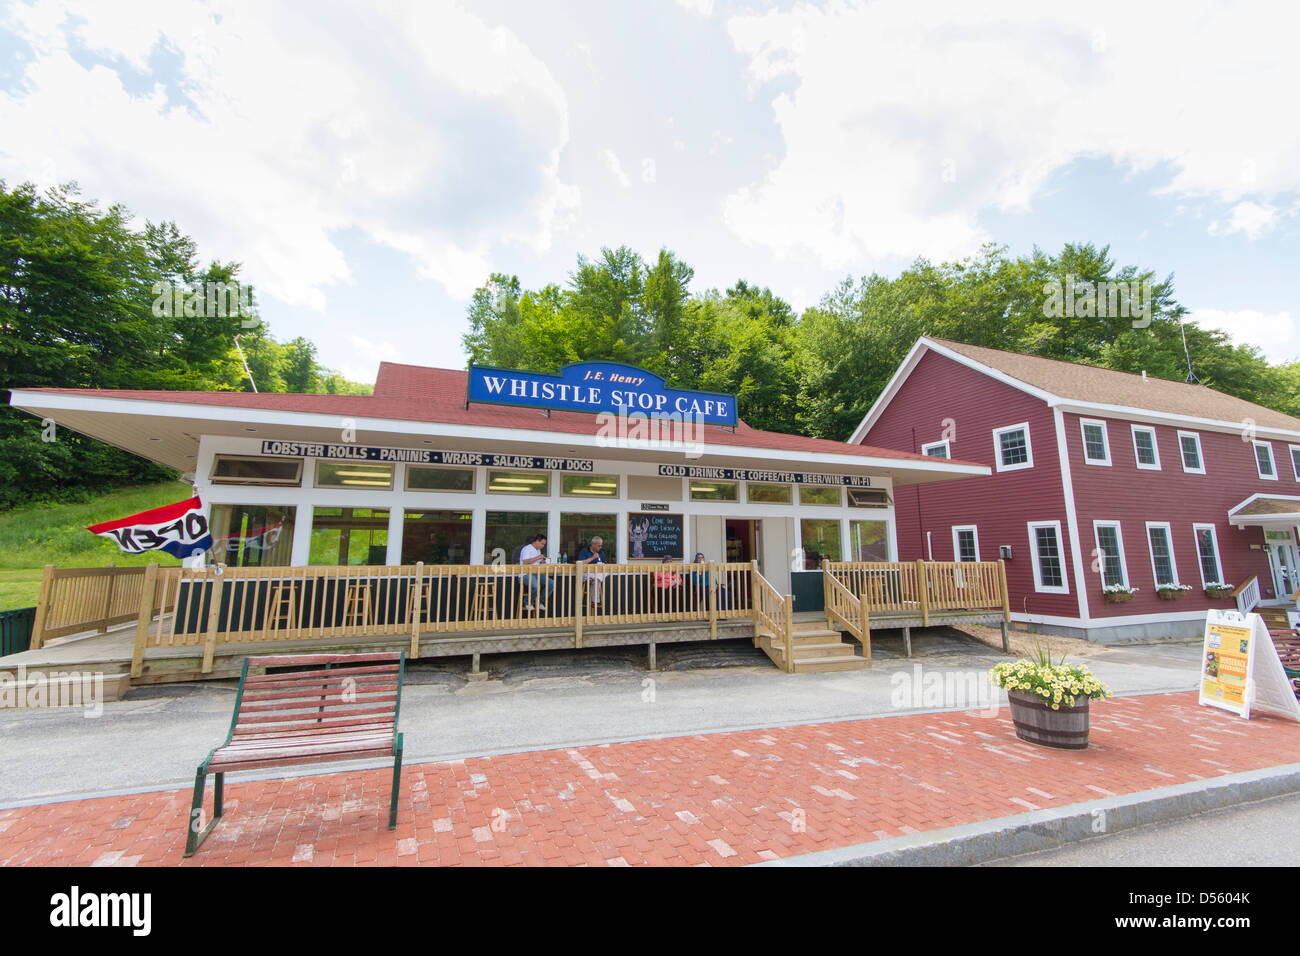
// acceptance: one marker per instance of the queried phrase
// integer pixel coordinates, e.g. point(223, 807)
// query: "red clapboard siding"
point(1002, 504)
point(1132, 496)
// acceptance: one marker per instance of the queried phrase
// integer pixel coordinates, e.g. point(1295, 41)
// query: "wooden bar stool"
point(282, 611)
point(484, 607)
point(356, 605)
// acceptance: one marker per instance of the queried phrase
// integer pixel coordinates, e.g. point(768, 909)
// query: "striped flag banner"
point(180, 529)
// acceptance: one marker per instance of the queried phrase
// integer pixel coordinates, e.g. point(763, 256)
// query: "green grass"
point(55, 533)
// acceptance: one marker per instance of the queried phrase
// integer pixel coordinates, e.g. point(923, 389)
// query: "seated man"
point(534, 553)
point(593, 554)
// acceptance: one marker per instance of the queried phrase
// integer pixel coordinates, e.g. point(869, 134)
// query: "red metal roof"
point(420, 394)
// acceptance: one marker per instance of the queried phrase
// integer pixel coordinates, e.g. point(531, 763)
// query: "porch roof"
point(1266, 510)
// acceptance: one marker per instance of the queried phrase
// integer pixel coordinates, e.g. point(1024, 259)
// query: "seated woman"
point(666, 583)
point(700, 581)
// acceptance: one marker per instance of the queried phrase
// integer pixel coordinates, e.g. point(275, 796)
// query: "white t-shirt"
point(528, 553)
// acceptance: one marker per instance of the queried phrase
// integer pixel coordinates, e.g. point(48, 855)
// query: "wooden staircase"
point(817, 650)
point(1275, 617)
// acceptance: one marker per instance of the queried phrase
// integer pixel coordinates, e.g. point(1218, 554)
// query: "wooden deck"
point(193, 624)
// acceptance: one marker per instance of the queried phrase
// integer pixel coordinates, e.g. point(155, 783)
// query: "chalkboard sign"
point(654, 536)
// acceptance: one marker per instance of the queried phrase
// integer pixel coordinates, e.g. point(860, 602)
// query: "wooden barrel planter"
point(1037, 723)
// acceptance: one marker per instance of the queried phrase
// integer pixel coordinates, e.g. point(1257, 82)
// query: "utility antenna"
point(245, 361)
point(1191, 376)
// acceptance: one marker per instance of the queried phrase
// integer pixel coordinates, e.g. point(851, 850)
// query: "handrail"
point(1247, 596)
point(1254, 578)
point(773, 612)
point(925, 587)
point(76, 600)
point(849, 611)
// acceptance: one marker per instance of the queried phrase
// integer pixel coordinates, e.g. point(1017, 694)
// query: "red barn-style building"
point(1100, 479)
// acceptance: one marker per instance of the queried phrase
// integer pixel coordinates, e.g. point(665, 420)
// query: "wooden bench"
point(1288, 651)
point(328, 707)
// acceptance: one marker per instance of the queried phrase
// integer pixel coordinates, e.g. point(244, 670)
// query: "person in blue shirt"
point(700, 584)
point(593, 553)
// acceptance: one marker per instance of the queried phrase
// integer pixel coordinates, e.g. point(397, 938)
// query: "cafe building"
point(446, 468)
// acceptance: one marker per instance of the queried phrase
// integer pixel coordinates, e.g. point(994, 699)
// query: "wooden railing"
point(843, 608)
point(774, 614)
point(79, 600)
point(924, 587)
point(223, 605)
point(1247, 595)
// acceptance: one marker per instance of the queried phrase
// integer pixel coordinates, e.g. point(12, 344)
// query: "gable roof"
point(1087, 388)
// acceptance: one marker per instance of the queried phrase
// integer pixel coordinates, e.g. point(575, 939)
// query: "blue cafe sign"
point(598, 387)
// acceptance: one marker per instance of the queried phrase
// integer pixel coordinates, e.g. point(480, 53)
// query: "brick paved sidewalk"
point(729, 798)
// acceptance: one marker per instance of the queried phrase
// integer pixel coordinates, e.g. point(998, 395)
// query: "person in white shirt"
point(534, 553)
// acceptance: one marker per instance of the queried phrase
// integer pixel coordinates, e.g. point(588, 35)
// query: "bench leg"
point(397, 780)
point(195, 836)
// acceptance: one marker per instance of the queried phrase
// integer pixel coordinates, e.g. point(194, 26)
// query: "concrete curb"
point(973, 843)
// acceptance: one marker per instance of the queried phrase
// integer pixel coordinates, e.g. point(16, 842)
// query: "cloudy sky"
point(371, 163)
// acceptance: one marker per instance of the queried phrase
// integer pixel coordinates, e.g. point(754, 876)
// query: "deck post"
point(755, 600)
point(214, 618)
point(826, 592)
point(787, 606)
point(108, 600)
point(923, 593)
point(417, 609)
point(147, 590)
point(42, 607)
point(715, 574)
point(866, 629)
point(1006, 596)
point(577, 606)
point(651, 662)
point(1006, 638)
point(907, 641)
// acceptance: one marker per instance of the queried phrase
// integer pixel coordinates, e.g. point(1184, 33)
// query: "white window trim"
point(1218, 556)
point(1295, 468)
point(1119, 540)
point(997, 448)
point(1173, 560)
point(1033, 554)
point(947, 449)
point(974, 530)
point(1155, 446)
point(1200, 454)
point(1254, 450)
point(1105, 440)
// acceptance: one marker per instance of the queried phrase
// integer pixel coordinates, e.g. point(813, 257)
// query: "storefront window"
point(704, 490)
point(769, 494)
point(576, 530)
point(436, 537)
point(820, 538)
point(505, 532)
point(352, 536)
point(252, 535)
point(228, 470)
point(819, 495)
point(420, 478)
point(353, 474)
point(590, 486)
point(519, 482)
point(868, 541)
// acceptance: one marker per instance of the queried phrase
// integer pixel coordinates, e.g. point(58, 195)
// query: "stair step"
point(821, 665)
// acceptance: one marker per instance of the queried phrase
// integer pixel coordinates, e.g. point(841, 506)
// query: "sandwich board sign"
point(1240, 669)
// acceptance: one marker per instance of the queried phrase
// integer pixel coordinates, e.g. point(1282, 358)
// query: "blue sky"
point(371, 164)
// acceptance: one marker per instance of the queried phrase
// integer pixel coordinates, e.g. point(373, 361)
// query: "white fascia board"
point(1146, 415)
point(289, 419)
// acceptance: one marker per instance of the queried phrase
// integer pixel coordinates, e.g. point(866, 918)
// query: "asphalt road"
point(156, 737)
point(1250, 834)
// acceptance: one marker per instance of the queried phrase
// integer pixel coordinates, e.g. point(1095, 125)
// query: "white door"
point(1282, 561)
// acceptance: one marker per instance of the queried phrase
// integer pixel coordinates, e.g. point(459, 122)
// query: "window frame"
point(750, 500)
point(956, 545)
point(215, 479)
point(1105, 440)
point(1097, 525)
point(1155, 447)
point(1272, 459)
point(1039, 587)
point(1169, 541)
point(322, 463)
point(734, 499)
point(944, 443)
point(487, 483)
point(997, 448)
point(1218, 555)
point(838, 503)
point(617, 493)
point(414, 469)
point(1294, 452)
point(1200, 453)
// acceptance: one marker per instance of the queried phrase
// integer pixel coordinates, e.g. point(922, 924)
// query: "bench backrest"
point(324, 695)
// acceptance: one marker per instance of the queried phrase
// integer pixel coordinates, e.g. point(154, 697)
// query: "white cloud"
point(1276, 334)
point(877, 101)
point(1251, 218)
point(701, 8)
point(280, 128)
point(615, 168)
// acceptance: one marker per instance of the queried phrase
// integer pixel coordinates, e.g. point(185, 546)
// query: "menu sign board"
point(1240, 669)
point(654, 536)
